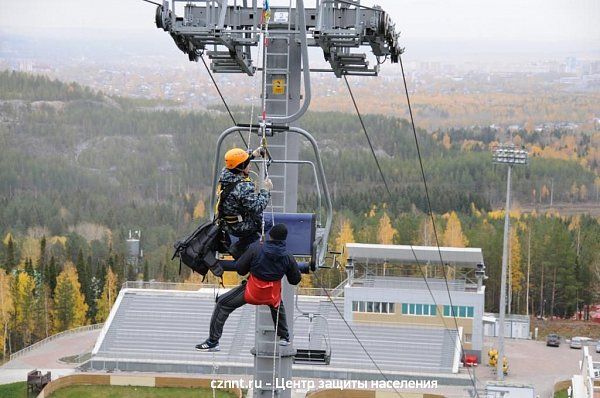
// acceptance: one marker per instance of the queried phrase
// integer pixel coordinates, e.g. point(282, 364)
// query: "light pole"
point(505, 154)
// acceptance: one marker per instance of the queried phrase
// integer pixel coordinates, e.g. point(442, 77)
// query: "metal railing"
point(338, 291)
point(305, 291)
point(48, 339)
point(170, 285)
point(312, 291)
point(405, 282)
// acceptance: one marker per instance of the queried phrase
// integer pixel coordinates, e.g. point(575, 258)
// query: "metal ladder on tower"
point(277, 98)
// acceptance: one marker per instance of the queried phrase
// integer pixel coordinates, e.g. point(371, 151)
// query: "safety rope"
point(214, 355)
point(265, 18)
point(275, 353)
point(248, 145)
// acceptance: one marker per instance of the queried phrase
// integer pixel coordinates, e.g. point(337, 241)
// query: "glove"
point(268, 184)
point(259, 152)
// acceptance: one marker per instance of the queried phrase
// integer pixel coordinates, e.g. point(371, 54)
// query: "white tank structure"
point(134, 252)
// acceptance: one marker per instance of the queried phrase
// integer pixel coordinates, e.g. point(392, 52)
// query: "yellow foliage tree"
point(30, 248)
point(496, 214)
point(199, 210)
point(575, 223)
point(346, 235)
point(545, 192)
point(230, 278)
point(7, 239)
point(475, 211)
point(574, 191)
point(453, 235)
point(517, 140)
point(107, 298)
point(6, 307)
point(53, 240)
point(386, 232)
point(306, 281)
point(427, 235)
point(196, 278)
point(373, 211)
point(24, 301)
point(70, 308)
point(516, 271)
point(583, 192)
point(446, 142)
point(536, 151)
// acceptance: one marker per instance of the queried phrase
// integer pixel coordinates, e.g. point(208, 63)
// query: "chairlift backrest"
point(301, 233)
point(301, 237)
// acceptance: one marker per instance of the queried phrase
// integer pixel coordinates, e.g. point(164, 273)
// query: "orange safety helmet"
point(235, 157)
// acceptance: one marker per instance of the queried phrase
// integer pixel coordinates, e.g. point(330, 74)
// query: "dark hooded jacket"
point(243, 200)
point(269, 261)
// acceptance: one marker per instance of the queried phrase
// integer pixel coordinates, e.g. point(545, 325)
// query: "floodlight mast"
point(509, 155)
point(226, 34)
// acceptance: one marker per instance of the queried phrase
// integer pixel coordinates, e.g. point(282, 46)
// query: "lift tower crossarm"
point(335, 26)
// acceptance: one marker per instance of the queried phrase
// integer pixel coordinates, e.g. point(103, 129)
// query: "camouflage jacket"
point(243, 200)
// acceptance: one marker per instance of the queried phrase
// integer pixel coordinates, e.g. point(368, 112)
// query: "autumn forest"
point(79, 169)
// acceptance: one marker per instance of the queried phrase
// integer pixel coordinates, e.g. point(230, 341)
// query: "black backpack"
point(198, 250)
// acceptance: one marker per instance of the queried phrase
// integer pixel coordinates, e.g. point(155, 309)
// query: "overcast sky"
point(446, 29)
point(534, 20)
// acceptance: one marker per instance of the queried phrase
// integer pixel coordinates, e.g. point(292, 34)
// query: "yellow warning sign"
point(278, 86)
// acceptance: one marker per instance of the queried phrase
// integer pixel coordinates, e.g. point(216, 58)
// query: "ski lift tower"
point(226, 33)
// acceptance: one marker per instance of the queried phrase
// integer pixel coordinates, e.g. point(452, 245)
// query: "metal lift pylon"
point(336, 26)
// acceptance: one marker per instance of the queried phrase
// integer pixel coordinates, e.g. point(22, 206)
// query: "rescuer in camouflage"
point(240, 207)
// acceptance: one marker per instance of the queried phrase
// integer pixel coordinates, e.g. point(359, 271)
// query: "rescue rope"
point(265, 17)
point(275, 350)
point(214, 356)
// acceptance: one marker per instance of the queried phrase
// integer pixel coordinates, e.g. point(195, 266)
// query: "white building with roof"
point(385, 286)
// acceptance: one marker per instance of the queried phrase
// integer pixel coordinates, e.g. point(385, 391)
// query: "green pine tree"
point(51, 274)
point(146, 271)
point(29, 267)
point(11, 258)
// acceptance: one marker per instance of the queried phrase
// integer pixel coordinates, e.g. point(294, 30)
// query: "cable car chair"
point(307, 237)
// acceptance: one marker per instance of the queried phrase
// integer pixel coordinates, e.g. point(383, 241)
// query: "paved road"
point(46, 357)
point(532, 362)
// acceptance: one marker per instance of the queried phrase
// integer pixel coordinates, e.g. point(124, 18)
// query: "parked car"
point(553, 340)
point(576, 342)
point(598, 346)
